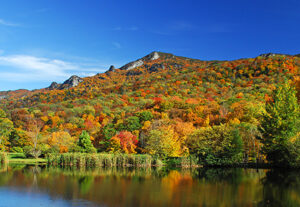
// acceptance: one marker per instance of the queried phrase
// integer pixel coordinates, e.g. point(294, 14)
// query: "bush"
point(217, 145)
point(29, 151)
point(16, 149)
point(145, 116)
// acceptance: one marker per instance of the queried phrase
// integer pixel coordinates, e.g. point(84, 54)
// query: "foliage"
point(124, 142)
point(217, 145)
point(85, 143)
point(133, 123)
point(6, 126)
point(163, 103)
point(61, 140)
point(279, 125)
point(145, 116)
point(16, 149)
point(164, 143)
point(30, 151)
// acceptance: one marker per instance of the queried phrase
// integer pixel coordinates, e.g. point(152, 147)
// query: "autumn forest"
point(215, 113)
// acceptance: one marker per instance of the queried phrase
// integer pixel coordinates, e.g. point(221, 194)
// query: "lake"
point(45, 186)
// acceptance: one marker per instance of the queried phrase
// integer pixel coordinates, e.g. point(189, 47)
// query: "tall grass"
point(3, 158)
point(101, 160)
point(183, 162)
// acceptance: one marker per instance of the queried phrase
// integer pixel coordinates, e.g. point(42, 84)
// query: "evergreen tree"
point(85, 143)
point(279, 125)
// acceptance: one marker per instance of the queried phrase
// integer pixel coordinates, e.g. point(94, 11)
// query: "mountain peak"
point(150, 57)
point(267, 55)
point(73, 81)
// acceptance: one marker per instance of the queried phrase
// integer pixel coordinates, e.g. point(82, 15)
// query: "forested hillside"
point(161, 104)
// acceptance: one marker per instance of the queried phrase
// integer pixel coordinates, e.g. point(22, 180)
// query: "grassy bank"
point(20, 158)
point(102, 160)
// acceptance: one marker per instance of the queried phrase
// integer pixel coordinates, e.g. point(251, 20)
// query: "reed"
point(101, 160)
point(183, 162)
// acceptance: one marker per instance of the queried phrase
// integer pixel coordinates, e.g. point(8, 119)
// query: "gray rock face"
point(152, 56)
point(267, 55)
point(155, 68)
point(112, 68)
point(53, 86)
point(73, 81)
point(132, 72)
point(140, 62)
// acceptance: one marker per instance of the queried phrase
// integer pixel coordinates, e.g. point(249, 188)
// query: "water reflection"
point(281, 188)
point(156, 187)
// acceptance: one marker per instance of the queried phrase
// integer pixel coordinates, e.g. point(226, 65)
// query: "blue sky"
point(49, 40)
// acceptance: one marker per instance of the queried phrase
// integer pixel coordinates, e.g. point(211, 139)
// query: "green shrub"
point(16, 149)
point(217, 145)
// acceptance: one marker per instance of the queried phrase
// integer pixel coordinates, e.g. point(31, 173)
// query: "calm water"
point(40, 186)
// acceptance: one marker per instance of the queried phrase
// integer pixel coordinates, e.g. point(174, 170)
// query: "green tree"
point(108, 131)
point(145, 116)
point(85, 143)
point(217, 145)
point(6, 126)
point(133, 123)
point(279, 125)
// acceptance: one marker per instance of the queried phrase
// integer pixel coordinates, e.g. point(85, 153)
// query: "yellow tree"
point(163, 142)
point(61, 140)
point(33, 131)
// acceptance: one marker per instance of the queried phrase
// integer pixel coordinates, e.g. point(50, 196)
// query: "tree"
point(85, 143)
point(145, 116)
point(125, 142)
point(217, 145)
point(6, 127)
point(61, 140)
point(133, 123)
point(33, 131)
point(163, 142)
point(279, 124)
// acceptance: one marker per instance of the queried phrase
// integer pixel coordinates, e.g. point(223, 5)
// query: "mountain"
point(159, 96)
point(269, 66)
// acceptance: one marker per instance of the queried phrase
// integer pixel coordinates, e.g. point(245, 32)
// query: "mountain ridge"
point(130, 69)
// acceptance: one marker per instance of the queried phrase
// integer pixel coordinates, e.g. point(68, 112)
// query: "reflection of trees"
point(214, 175)
point(160, 187)
point(35, 171)
point(85, 183)
point(281, 188)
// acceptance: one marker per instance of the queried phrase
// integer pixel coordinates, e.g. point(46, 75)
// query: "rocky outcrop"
point(151, 56)
point(53, 86)
point(133, 65)
point(267, 55)
point(133, 72)
point(112, 68)
point(71, 82)
point(155, 68)
point(140, 62)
